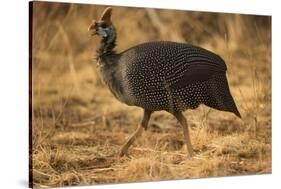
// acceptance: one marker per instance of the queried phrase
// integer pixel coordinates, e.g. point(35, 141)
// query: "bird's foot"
point(189, 153)
point(124, 151)
point(189, 156)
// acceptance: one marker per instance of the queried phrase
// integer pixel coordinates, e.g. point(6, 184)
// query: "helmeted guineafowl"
point(158, 76)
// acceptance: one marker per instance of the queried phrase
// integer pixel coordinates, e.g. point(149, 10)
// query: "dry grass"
point(78, 126)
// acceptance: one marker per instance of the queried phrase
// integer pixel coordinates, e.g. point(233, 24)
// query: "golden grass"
point(78, 126)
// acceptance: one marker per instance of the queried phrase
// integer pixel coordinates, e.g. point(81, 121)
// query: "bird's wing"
point(196, 71)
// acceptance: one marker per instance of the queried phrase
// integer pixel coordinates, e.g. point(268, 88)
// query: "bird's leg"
point(132, 138)
point(184, 125)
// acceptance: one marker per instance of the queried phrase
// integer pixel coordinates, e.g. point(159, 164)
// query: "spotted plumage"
point(162, 75)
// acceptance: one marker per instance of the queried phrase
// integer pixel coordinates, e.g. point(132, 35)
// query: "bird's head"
point(103, 27)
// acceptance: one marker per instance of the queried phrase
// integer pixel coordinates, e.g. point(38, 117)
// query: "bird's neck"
point(107, 44)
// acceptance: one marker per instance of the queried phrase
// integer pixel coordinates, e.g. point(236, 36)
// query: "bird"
point(161, 76)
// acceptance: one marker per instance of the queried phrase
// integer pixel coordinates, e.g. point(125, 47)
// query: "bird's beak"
point(92, 28)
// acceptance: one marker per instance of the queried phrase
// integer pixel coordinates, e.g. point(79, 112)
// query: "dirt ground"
point(78, 126)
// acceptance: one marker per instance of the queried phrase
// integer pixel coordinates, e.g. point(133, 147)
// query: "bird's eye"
point(103, 25)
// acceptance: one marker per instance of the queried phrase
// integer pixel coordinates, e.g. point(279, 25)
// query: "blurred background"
point(78, 126)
